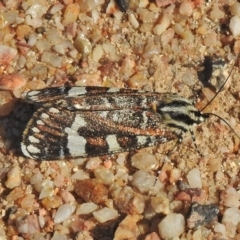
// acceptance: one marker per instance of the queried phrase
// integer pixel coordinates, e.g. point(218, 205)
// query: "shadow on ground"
point(12, 126)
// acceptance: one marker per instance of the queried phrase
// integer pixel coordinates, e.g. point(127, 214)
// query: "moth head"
point(178, 112)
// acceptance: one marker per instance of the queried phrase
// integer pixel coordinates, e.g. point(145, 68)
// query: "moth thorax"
point(179, 113)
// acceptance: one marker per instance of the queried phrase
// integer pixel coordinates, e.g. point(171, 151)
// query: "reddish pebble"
point(11, 81)
point(6, 54)
point(162, 176)
point(67, 196)
point(183, 196)
point(107, 164)
point(91, 190)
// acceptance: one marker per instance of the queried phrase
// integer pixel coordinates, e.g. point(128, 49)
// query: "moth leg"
point(166, 157)
point(194, 143)
point(178, 141)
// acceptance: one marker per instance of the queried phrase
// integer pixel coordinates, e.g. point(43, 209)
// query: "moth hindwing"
point(94, 121)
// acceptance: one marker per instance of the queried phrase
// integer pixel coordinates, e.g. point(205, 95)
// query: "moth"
point(75, 122)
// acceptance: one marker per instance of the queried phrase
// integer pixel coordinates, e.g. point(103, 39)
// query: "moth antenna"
point(221, 88)
point(213, 114)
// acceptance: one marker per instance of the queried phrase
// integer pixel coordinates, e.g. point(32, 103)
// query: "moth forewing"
point(53, 134)
point(57, 93)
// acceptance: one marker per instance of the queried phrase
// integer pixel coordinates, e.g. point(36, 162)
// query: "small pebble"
point(171, 226)
point(83, 45)
point(7, 54)
point(52, 202)
point(105, 175)
point(86, 208)
point(23, 31)
point(219, 228)
point(105, 214)
point(234, 26)
point(47, 189)
point(11, 81)
point(201, 214)
point(89, 5)
point(165, 20)
point(186, 8)
point(194, 178)
point(36, 178)
point(160, 204)
point(133, 20)
point(28, 202)
point(57, 7)
point(216, 14)
point(71, 14)
point(175, 174)
point(167, 36)
point(80, 175)
point(107, 164)
point(128, 228)
point(231, 215)
point(13, 177)
point(230, 197)
point(127, 201)
point(36, 10)
point(97, 53)
point(93, 163)
point(235, 9)
point(15, 194)
point(67, 196)
point(143, 181)
point(28, 225)
point(2, 234)
point(91, 190)
point(64, 212)
point(143, 160)
point(210, 39)
point(163, 25)
point(52, 59)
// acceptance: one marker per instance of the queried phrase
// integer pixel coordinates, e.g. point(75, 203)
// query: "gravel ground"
point(152, 45)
